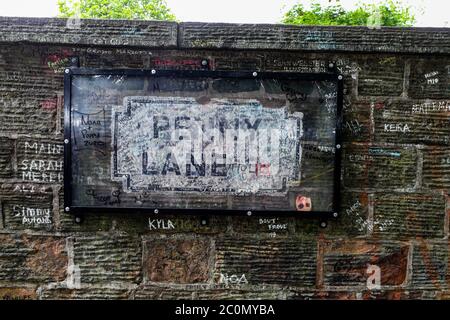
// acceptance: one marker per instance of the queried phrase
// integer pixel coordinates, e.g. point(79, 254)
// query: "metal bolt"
point(156, 211)
point(67, 71)
point(338, 146)
point(153, 71)
point(66, 141)
point(331, 65)
point(335, 214)
point(323, 224)
point(249, 213)
point(77, 219)
point(67, 209)
point(340, 77)
point(255, 74)
point(204, 62)
point(203, 222)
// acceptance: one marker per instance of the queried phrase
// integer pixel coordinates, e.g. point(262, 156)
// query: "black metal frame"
point(78, 211)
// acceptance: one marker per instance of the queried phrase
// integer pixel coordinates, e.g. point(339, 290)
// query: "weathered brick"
point(84, 293)
point(354, 216)
point(26, 258)
point(27, 206)
point(32, 211)
point(399, 215)
point(177, 260)
point(356, 125)
point(263, 225)
point(345, 262)
point(202, 292)
point(92, 222)
point(6, 157)
point(91, 32)
point(306, 227)
point(40, 160)
point(430, 265)
point(381, 76)
point(312, 38)
point(150, 223)
point(21, 113)
point(92, 57)
point(274, 261)
point(17, 293)
point(294, 62)
point(30, 78)
point(398, 294)
point(413, 121)
point(371, 166)
point(153, 292)
point(436, 168)
point(108, 258)
point(430, 78)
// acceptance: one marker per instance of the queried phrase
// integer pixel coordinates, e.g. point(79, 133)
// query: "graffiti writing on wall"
point(32, 216)
point(40, 167)
point(162, 143)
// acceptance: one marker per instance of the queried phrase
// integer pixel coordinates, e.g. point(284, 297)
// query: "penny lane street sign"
point(178, 144)
point(202, 141)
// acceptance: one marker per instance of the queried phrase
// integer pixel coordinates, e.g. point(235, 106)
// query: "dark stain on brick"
point(177, 261)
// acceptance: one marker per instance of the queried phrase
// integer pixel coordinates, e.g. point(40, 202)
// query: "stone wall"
point(395, 176)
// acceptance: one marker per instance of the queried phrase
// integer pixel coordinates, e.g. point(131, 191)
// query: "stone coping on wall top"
point(198, 35)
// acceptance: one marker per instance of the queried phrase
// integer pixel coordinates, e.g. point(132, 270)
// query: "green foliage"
point(387, 13)
point(115, 9)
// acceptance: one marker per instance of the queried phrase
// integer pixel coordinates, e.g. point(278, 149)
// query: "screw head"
point(340, 77)
point(153, 71)
point(203, 222)
point(156, 211)
point(67, 71)
point(249, 213)
point(255, 74)
point(204, 62)
point(338, 146)
point(323, 224)
point(66, 141)
point(67, 209)
point(335, 214)
point(331, 65)
point(77, 219)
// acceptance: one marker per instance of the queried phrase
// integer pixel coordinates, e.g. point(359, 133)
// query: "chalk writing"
point(431, 107)
point(225, 146)
point(354, 126)
point(396, 127)
point(273, 224)
point(32, 216)
point(24, 188)
point(164, 224)
point(43, 148)
point(432, 77)
point(384, 152)
point(232, 279)
point(297, 65)
point(359, 157)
